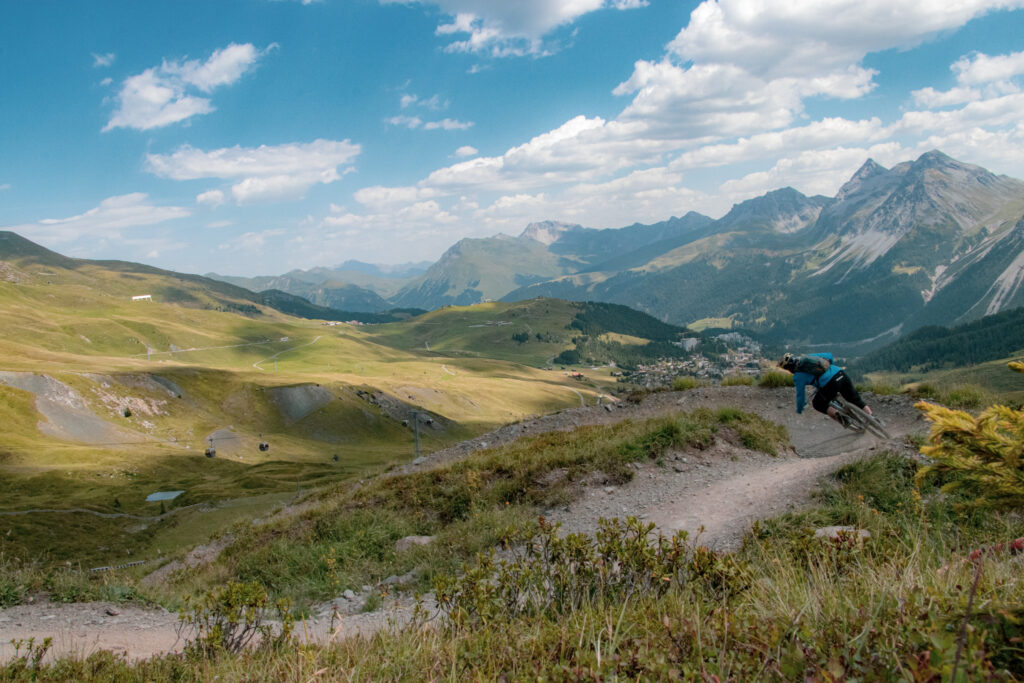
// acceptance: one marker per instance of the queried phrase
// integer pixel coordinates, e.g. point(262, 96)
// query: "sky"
point(252, 137)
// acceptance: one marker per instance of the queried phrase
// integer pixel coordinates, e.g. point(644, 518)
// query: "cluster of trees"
point(596, 318)
point(990, 338)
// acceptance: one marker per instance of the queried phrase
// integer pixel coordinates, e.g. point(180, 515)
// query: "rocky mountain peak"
point(785, 210)
point(547, 232)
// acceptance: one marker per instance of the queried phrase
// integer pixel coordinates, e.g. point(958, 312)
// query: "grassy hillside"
point(535, 332)
point(488, 330)
point(932, 592)
point(105, 400)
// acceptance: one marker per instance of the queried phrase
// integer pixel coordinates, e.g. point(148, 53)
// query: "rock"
point(832, 532)
point(111, 612)
point(609, 489)
point(678, 468)
point(608, 407)
point(349, 595)
point(399, 580)
point(420, 460)
point(409, 542)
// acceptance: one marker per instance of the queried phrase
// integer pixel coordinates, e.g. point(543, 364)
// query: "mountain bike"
point(857, 420)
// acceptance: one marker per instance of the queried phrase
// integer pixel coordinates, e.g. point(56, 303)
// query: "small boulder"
point(409, 542)
point(349, 595)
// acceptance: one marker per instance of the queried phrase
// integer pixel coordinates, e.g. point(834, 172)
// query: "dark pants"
point(840, 384)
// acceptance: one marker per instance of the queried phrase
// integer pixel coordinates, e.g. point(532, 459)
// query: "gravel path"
point(723, 489)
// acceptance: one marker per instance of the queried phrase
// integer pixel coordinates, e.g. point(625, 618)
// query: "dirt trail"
point(723, 489)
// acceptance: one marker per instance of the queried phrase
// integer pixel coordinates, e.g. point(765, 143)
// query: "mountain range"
point(928, 241)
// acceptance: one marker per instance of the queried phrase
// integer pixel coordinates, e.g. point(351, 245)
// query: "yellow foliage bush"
point(981, 456)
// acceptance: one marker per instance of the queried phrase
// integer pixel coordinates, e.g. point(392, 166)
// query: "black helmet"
point(788, 362)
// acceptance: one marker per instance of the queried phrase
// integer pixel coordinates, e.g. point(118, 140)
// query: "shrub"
point(755, 432)
point(774, 380)
point(229, 618)
point(738, 381)
point(685, 383)
point(979, 456)
point(11, 593)
point(923, 390)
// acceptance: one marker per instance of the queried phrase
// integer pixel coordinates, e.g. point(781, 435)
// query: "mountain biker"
point(820, 370)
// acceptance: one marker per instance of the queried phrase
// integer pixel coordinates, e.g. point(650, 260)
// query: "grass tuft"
point(775, 379)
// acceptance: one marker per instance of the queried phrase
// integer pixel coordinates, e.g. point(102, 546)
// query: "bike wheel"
point(870, 422)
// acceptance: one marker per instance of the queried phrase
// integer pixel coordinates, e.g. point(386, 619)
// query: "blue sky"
point(256, 136)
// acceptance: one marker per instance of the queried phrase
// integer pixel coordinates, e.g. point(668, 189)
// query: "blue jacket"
point(802, 379)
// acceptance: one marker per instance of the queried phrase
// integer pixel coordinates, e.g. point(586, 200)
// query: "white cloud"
point(824, 134)
point(787, 38)
point(216, 225)
point(979, 76)
point(264, 172)
point(814, 171)
point(466, 151)
point(981, 68)
point(996, 111)
point(729, 92)
point(213, 198)
point(414, 122)
point(108, 220)
point(251, 241)
point(162, 95)
point(433, 103)
point(410, 122)
point(102, 60)
point(380, 198)
point(930, 97)
point(447, 124)
point(505, 29)
point(5, 186)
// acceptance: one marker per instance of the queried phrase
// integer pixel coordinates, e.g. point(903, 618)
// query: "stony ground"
point(722, 489)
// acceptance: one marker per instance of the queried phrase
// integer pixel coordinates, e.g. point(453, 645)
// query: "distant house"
point(143, 297)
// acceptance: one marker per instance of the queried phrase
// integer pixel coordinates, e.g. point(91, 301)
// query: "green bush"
point(774, 380)
point(231, 618)
point(738, 381)
point(923, 390)
point(685, 383)
point(11, 592)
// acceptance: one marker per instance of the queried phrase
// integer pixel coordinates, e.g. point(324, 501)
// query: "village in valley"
point(724, 355)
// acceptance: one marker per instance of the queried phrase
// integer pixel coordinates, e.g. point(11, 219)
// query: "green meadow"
point(156, 379)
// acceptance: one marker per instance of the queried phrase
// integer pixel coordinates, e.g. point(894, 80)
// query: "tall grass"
point(774, 379)
point(685, 383)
